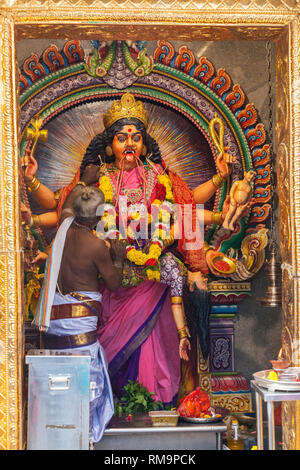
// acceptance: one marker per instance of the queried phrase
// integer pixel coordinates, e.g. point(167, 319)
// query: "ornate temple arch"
point(257, 20)
point(187, 94)
point(70, 89)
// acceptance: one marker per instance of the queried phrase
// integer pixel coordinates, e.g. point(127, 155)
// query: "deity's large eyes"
point(121, 138)
point(137, 137)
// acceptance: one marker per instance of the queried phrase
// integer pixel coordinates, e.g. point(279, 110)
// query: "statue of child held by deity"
point(241, 193)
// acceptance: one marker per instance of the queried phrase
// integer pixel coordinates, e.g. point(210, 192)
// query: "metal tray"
point(222, 411)
point(286, 385)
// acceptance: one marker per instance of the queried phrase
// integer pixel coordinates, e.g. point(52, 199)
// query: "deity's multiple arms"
point(43, 195)
point(48, 199)
point(127, 148)
point(205, 191)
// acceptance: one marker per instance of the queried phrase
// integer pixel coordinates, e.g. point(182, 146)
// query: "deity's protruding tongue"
point(129, 155)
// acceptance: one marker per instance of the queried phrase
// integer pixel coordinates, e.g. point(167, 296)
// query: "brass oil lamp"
point(273, 295)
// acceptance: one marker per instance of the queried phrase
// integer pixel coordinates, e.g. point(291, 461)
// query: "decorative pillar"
point(288, 184)
point(11, 327)
point(229, 389)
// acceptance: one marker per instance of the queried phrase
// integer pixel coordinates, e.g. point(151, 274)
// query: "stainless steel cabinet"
point(58, 400)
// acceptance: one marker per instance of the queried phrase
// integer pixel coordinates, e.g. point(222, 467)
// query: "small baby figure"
point(240, 196)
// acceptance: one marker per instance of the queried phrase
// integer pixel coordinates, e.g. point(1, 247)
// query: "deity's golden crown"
point(127, 107)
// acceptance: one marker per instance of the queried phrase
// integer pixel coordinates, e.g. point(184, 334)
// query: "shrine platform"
point(141, 435)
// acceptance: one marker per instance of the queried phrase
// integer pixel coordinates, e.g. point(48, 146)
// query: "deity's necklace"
point(134, 194)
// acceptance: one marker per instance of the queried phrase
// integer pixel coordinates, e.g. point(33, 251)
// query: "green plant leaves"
point(136, 399)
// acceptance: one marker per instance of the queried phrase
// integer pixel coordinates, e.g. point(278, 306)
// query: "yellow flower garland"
point(165, 180)
point(106, 187)
point(137, 256)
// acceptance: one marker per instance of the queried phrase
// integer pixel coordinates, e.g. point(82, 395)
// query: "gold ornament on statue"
point(144, 151)
point(217, 136)
point(34, 132)
point(127, 108)
point(108, 151)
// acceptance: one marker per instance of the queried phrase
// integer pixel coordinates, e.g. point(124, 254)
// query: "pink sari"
point(139, 336)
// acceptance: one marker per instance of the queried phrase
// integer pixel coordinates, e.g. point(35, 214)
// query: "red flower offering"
point(150, 262)
point(160, 191)
point(194, 404)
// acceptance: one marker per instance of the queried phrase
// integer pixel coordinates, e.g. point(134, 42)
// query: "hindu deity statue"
point(143, 324)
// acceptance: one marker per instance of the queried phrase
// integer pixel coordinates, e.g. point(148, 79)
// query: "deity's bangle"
point(176, 300)
point(182, 333)
point(33, 185)
point(82, 183)
point(218, 180)
point(35, 221)
point(216, 217)
point(57, 194)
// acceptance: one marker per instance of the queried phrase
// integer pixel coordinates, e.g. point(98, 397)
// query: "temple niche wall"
point(257, 329)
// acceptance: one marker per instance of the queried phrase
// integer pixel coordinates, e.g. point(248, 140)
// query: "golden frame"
point(275, 20)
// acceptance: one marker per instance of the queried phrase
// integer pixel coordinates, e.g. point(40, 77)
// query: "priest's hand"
point(118, 250)
point(91, 174)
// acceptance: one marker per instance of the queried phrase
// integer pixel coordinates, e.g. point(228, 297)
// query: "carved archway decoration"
point(60, 81)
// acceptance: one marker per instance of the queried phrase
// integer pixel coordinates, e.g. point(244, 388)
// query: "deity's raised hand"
point(30, 166)
point(224, 163)
point(118, 249)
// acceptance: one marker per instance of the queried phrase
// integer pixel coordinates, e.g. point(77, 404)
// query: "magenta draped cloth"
point(139, 336)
